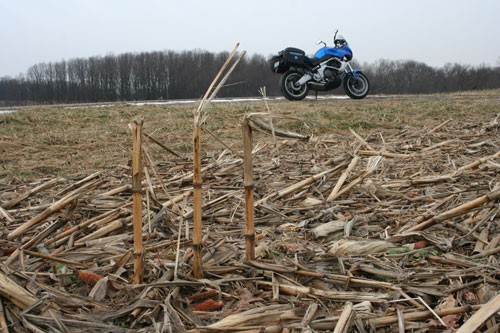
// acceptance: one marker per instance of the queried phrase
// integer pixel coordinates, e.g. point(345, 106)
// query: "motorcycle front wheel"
point(289, 87)
point(356, 87)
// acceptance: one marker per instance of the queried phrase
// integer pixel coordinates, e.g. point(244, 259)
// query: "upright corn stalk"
point(199, 119)
point(137, 170)
point(197, 184)
point(248, 182)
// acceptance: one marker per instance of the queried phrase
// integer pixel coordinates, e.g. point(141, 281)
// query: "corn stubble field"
point(65, 140)
point(387, 210)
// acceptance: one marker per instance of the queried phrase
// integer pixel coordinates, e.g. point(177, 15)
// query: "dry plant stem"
point(260, 125)
point(212, 134)
point(437, 145)
point(202, 103)
point(342, 179)
point(145, 152)
point(6, 215)
point(177, 199)
point(419, 315)
point(297, 186)
point(459, 210)
point(79, 183)
point(478, 318)
point(52, 258)
point(178, 249)
point(15, 293)
point(212, 203)
point(303, 183)
point(401, 320)
point(259, 319)
point(58, 205)
point(248, 182)
point(439, 126)
point(486, 253)
point(330, 294)
point(493, 329)
point(475, 164)
point(112, 226)
point(418, 305)
point(224, 79)
point(197, 204)
point(262, 91)
point(11, 203)
point(382, 153)
point(58, 321)
point(310, 313)
point(361, 139)
point(156, 173)
point(148, 182)
point(3, 323)
point(359, 179)
point(345, 319)
point(137, 169)
point(432, 311)
point(34, 241)
point(161, 145)
point(197, 177)
point(113, 213)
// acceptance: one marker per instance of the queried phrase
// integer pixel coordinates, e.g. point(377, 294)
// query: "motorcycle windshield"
point(344, 51)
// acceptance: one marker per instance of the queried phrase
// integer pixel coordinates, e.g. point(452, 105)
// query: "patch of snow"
point(89, 106)
point(236, 100)
point(191, 101)
point(7, 111)
point(162, 103)
point(173, 102)
point(328, 97)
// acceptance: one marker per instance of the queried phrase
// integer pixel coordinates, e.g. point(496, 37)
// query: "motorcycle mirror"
point(335, 36)
point(320, 42)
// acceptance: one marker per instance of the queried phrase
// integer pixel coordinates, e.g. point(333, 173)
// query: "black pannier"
point(293, 56)
point(277, 65)
point(288, 57)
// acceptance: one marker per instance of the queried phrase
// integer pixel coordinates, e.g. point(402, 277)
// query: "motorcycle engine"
point(333, 80)
point(329, 74)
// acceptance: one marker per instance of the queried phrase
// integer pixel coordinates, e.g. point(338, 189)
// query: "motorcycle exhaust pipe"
point(317, 86)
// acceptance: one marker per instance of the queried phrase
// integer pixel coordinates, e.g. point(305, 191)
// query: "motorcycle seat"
point(294, 50)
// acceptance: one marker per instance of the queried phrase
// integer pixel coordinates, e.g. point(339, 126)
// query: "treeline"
point(180, 75)
point(412, 77)
point(134, 76)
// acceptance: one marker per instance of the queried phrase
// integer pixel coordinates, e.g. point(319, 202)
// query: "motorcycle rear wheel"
point(288, 86)
point(356, 87)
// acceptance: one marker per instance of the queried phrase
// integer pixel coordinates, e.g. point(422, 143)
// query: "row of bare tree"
point(412, 77)
point(179, 75)
point(132, 76)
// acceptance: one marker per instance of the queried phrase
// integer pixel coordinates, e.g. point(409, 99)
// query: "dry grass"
point(65, 140)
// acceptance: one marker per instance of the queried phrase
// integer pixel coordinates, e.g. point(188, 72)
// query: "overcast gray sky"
point(431, 31)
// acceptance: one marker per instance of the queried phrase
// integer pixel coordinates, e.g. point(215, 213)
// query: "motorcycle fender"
point(349, 74)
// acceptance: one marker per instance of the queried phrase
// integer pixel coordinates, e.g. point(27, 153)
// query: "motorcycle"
point(327, 70)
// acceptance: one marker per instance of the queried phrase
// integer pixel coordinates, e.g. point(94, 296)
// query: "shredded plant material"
point(370, 233)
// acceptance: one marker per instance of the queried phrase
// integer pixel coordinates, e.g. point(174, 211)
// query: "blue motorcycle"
point(327, 70)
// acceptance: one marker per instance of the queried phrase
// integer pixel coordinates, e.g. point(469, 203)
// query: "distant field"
point(67, 140)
